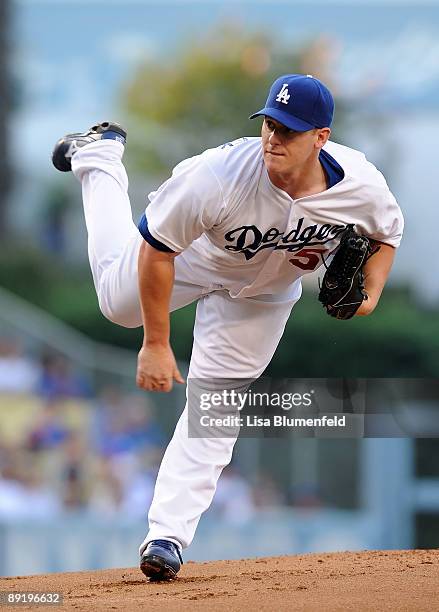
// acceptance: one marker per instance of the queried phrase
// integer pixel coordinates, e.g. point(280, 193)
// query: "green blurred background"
point(176, 103)
point(183, 77)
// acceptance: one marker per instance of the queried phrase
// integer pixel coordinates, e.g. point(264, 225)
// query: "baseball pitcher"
point(234, 229)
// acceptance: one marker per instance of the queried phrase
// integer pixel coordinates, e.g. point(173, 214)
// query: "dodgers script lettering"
point(249, 239)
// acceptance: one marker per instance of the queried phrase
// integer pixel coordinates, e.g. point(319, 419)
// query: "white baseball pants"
point(233, 338)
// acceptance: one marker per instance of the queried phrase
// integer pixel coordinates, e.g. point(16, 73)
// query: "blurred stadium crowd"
point(65, 448)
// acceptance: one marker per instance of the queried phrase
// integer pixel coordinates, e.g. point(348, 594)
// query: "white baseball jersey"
point(252, 236)
point(237, 230)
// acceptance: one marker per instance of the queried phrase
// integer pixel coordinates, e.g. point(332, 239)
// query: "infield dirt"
point(372, 580)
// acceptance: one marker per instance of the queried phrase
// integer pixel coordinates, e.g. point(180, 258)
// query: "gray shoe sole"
point(155, 568)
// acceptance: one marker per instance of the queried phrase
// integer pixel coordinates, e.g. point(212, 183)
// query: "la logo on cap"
point(283, 95)
point(300, 102)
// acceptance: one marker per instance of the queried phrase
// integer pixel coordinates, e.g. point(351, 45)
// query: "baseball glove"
point(342, 291)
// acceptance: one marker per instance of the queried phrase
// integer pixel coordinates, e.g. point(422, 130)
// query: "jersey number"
point(307, 259)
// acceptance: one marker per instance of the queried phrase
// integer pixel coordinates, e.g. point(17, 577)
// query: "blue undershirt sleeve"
point(143, 229)
point(334, 172)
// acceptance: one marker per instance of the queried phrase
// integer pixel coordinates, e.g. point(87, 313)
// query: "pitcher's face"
point(285, 149)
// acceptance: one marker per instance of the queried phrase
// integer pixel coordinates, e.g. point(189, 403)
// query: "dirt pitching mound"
point(372, 580)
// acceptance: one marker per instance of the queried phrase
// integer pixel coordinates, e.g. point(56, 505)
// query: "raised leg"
point(113, 238)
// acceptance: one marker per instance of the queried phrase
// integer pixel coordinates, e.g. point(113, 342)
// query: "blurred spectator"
point(123, 488)
point(139, 481)
point(41, 500)
point(23, 493)
point(18, 373)
point(58, 380)
point(49, 430)
point(67, 455)
point(74, 492)
point(141, 427)
point(106, 494)
point(125, 424)
point(233, 499)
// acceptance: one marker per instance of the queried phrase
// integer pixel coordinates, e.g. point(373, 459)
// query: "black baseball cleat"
point(161, 560)
point(66, 147)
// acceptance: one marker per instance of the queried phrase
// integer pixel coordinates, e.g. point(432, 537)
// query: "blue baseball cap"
point(300, 102)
